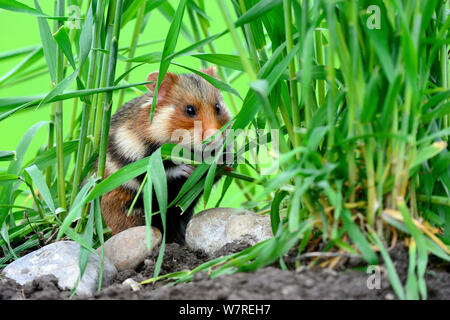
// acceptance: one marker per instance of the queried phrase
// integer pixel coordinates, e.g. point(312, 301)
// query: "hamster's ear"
point(169, 80)
point(211, 71)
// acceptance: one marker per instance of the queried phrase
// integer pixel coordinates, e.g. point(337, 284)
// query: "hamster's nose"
point(209, 133)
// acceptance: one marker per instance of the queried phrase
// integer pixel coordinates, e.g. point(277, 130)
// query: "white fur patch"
point(148, 103)
point(133, 184)
point(158, 130)
point(129, 144)
point(111, 166)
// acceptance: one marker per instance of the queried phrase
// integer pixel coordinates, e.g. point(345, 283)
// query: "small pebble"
point(128, 249)
point(132, 284)
point(389, 296)
point(309, 283)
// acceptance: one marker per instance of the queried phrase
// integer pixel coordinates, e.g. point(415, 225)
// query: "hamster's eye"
point(217, 108)
point(190, 110)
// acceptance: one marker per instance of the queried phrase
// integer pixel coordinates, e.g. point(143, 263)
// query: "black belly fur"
point(176, 220)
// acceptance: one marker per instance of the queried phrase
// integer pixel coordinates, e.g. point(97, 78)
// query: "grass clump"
point(356, 90)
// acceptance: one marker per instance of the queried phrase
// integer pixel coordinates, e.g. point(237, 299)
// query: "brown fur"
point(115, 219)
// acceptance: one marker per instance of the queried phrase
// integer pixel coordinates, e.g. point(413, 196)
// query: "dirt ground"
point(271, 282)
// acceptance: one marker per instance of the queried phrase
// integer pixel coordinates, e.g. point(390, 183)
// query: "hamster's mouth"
point(206, 153)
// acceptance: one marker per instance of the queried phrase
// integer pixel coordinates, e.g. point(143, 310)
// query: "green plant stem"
point(73, 119)
point(51, 141)
point(398, 191)
point(320, 61)
point(370, 172)
point(51, 126)
point(195, 30)
point(444, 61)
point(99, 101)
point(116, 11)
point(133, 45)
point(234, 36)
point(293, 88)
point(35, 198)
point(332, 91)
point(248, 35)
point(220, 71)
point(59, 121)
point(80, 157)
point(442, 201)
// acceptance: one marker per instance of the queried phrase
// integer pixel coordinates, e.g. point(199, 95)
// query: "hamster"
point(185, 103)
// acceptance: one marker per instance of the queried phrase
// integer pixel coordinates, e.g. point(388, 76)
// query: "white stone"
point(211, 229)
point(135, 286)
point(128, 249)
point(61, 259)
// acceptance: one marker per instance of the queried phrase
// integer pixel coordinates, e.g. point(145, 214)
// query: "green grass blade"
point(169, 48)
point(63, 41)
point(48, 44)
point(159, 180)
point(39, 181)
point(7, 156)
point(275, 210)
point(392, 273)
point(30, 60)
point(358, 238)
point(258, 10)
point(16, 6)
point(219, 84)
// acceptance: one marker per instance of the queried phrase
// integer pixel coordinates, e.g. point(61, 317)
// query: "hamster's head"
point(188, 111)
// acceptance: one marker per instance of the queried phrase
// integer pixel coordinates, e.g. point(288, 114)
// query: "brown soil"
point(270, 282)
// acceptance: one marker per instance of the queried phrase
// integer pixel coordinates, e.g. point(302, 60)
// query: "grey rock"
point(61, 260)
point(128, 249)
point(211, 229)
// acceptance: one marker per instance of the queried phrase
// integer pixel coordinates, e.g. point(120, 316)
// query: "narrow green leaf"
point(219, 84)
point(59, 88)
point(17, 6)
point(8, 178)
point(148, 200)
point(226, 60)
point(152, 57)
point(428, 153)
point(119, 177)
point(84, 254)
point(63, 41)
point(358, 238)
point(48, 157)
point(191, 181)
point(39, 181)
point(48, 44)
point(159, 181)
point(412, 291)
point(7, 155)
point(195, 46)
point(250, 106)
point(258, 10)
point(392, 273)
point(275, 210)
point(31, 59)
point(17, 52)
point(52, 97)
point(169, 48)
point(130, 11)
point(75, 211)
point(422, 255)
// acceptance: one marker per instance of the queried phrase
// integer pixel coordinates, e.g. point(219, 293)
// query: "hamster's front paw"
point(180, 171)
